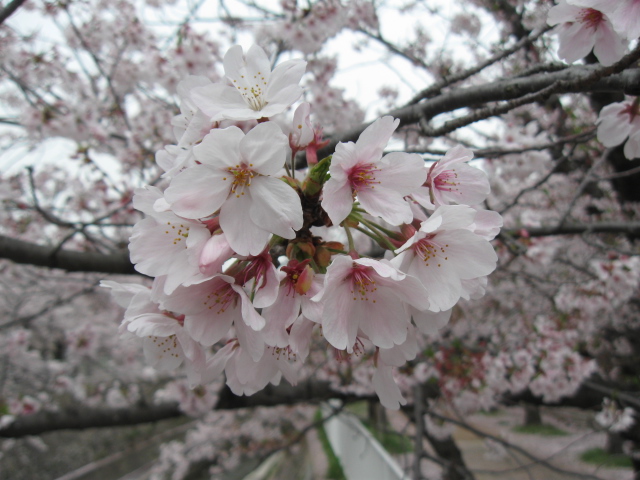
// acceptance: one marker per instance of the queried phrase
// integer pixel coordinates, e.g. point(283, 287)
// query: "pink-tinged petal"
point(430, 322)
point(310, 309)
point(123, 293)
point(392, 357)
point(280, 316)
point(486, 224)
point(192, 349)
point(385, 322)
point(386, 388)
point(216, 364)
point(265, 148)
point(337, 200)
point(562, 13)
point(382, 268)
point(236, 64)
point(199, 126)
point(474, 288)
point(244, 236)
point(163, 353)
point(462, 184)
point(284, 80)
point(613, 124)
point(267, 294)
point(220, 148)
point(632, 147)
point(275, 207)
point(387, 204)
point(453, 156)
point(451, 217)
point(249, 314)
point(344, 159)
point(250, 340)
point(423, 196)
point(188, 83)
point(197, 192)
point(218, 99)
point(164, 249)
point(155, 324)
point(398, 355)
point(595, 4)
point(375, 137)
point(443, 285)
point(609, 46)
point(402, 172)
point(338, 325)
point(282, 99)
point(300, 336)
point(411, 291)
point(144, 198)
point(215, 252)
point(575, 42)
point(302, 132)
point(467, 253)
point(626, 18)
point(212, 325)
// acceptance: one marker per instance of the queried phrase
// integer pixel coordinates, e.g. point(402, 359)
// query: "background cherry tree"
point(99, 120)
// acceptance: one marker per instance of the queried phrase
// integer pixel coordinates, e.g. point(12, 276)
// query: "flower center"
point(284, 352)
point(178, 231)
point(169, 345)
point(220, 299)
point(430, 252)
point(362, 283)
point(447, 181)
point(632, 109)
point(363, 176)
point(252, 91)
point(242, 176)
point(590, 17)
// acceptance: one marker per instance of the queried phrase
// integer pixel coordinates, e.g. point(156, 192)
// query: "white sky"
point(361, 73)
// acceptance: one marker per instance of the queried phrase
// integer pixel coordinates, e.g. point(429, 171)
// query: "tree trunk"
point(614, 444)
point(532, 415)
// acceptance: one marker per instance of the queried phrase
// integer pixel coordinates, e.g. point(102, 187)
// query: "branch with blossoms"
point(243, 247)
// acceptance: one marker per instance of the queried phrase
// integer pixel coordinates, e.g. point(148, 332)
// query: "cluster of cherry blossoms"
point(607, 28)
point(604, 26)
point(254, 262)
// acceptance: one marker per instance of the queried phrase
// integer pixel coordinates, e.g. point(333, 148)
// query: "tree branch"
point(7, 11)
point(569, 80)
point(81, 417)
point(20, 251)
point(629, 228)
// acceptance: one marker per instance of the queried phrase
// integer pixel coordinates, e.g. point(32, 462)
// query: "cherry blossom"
point(212, 307)
point(302, 132)
point(254, 91)
point(370, 295)
point(235, 175)
point(443, 253)
point(618, 122)
point(380, 183)
point(298, 285)
point(582, 29)
point(451, 180)
point(165, 244)
point(624, 14)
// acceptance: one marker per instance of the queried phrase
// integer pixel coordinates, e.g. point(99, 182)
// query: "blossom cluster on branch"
point(243, 279)
point(607, 28)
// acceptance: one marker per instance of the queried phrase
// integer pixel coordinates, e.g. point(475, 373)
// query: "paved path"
point(490, 462)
